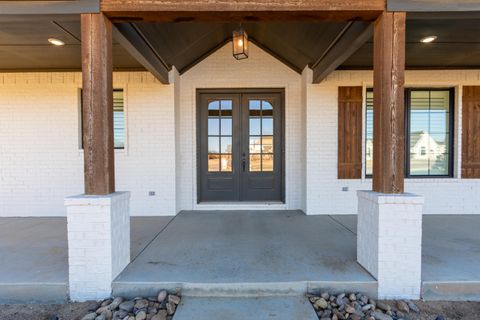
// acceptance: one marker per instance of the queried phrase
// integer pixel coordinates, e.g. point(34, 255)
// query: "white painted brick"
point(389, 242)
point(96, 256)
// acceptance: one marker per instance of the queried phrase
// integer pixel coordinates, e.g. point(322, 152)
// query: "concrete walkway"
point(260, 252)
point(450, 256)
point(34, 251)
point(265, 308)
point(243, 253)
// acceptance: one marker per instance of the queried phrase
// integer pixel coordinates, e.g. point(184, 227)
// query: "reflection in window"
point(220, 136)
point(429, 132)
point(261, 135)
point(118, 119)
point(428, 135)
point(369, 134)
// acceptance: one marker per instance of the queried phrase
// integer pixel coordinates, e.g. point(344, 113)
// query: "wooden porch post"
point(97, 104)
point(389, 112)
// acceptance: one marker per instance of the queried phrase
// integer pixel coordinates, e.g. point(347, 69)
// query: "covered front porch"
point(237, 253)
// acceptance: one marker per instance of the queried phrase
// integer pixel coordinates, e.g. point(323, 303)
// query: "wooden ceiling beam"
point(350, 39)
point(242, 10)
point(138, 47)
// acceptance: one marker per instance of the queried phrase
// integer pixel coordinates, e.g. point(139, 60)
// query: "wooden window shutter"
point(471, 132)
point(350, 132)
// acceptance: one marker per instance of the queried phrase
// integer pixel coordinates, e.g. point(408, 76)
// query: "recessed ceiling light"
point(56, 42)
point(428, 39)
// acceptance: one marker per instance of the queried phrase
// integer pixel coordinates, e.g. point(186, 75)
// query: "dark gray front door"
point(240, 146)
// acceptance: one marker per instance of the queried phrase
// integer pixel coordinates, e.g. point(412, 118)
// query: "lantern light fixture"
point(240, 44)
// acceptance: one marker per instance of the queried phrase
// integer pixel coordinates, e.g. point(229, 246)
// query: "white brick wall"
point(324, 190)
point(40, 159)
point(389, 242)
point(98, 243)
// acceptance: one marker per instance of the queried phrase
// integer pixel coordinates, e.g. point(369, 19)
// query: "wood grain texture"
point(350, 132)
point(97, 104)
point(388, 102)
point(241, 10)
point(471, 132)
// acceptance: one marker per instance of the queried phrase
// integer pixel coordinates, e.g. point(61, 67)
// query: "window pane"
point(226, 163)
point(226, 126)
point(213, 162)
point(267, 108)
point(369, 134)
point(267, 126)
point(213, 145)
point(118, 119)
point(255, 145)
point(439, 165)
point(255, 126)
point(226, 145)
point(267, 162)
point(254, 107)
point(226, 104)
point(429, 138)
point(213, 128)
point(214, 105)
point(255, 162)
point(267, 144)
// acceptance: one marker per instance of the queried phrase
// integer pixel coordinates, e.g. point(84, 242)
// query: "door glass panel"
point(220, 135)
point(213, 162)
point(255, 126)
point(255, 145)
point(267, 162)
point(226, 163)
point(226, 126)
point(261, 135)
point(213, 126)
point(213, 145)
point(226, 145)
point(267, 125)
point(255, 162)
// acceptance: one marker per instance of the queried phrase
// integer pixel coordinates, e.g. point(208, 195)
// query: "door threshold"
point(243, 205)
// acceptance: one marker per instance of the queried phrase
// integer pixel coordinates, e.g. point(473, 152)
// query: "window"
point(261, 135)
point(220, 136)
point(118, 119)
point(428, 133)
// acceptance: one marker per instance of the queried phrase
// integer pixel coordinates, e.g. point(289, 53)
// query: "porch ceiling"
point(24, 46)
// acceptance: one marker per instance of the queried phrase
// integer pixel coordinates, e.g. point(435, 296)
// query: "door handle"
point(243, 164)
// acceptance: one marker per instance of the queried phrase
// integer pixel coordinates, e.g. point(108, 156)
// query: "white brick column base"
point(98, 243)
point(389, 242)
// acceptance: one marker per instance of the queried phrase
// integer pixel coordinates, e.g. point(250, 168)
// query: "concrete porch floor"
point(206, 252)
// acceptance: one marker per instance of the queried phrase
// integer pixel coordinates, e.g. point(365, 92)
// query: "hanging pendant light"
point(240, 44)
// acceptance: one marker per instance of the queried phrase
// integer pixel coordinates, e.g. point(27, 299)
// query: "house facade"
point(261, 133)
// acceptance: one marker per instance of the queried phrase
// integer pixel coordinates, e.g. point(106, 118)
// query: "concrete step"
point(265, 308)
point(243, 289)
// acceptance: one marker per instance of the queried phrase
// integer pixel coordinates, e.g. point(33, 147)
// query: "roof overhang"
point(49, 7)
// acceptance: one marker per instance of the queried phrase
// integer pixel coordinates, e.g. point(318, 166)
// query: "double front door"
point(240, 145)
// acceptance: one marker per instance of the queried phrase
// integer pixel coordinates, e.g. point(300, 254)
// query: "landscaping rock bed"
point(162, 307)
point(356, 306)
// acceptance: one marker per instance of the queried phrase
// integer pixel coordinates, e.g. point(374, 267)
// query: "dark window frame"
point(451, 133)
point(81, 118)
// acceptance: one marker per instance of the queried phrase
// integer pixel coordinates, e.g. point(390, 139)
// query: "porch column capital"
point(388, 103)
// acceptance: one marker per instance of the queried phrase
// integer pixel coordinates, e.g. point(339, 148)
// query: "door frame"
point(200, 91)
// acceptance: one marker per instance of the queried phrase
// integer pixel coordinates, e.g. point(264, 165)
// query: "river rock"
point(162, 295)
point(90, 316)
point(381, 316)
point(403, 306)
point(174, 299)
point(127, 305)
point(383, 306)
point(321, 303)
